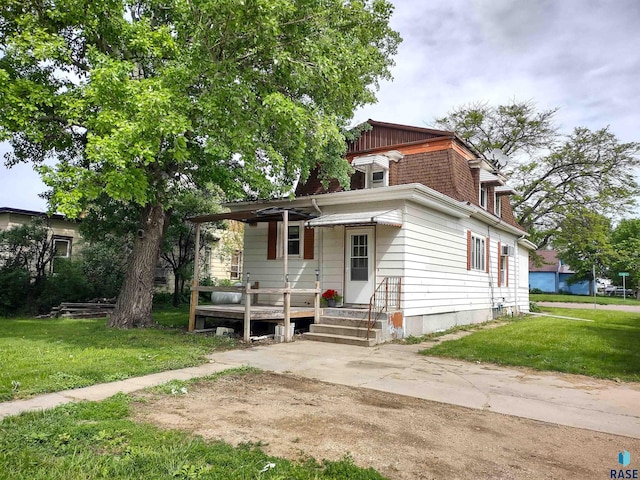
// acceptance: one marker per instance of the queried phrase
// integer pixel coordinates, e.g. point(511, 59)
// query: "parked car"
point(620, 292)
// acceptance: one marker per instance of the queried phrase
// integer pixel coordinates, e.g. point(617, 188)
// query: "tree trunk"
point(133, 307)
point(177, 290)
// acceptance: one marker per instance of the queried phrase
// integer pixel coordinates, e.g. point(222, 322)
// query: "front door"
point(359, 273)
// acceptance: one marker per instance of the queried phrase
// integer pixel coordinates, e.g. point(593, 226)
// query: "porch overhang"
point(388, 217)
point(254, 216)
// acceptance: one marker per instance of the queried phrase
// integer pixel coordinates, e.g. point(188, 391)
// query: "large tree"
point(135, 99)
point(553, 174)
point(583, 240)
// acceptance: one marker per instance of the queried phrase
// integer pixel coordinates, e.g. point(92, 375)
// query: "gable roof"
point(550, 263)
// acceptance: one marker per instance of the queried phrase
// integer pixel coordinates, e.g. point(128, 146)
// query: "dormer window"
point(379, 179)
point(497, 205)
point(376, 167)
point(483, 196)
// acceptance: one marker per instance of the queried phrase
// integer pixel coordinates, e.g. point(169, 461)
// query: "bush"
point(68, 284)
point(535, 291)
point(14, 291)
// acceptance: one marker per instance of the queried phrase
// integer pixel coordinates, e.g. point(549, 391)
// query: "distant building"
point(553, 276)
point(65, 233)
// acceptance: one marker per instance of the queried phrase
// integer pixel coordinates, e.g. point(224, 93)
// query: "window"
point(378, 179)
point(483, 197)
point(503, 279)
point(497, 205)
point(359, 258)
point(477, 253)
point(206, 266)
point(236, 265)
point(299, 244)
point(294, 240)
point(61, 249)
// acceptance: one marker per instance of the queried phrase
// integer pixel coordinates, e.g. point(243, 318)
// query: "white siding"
point(436, 279)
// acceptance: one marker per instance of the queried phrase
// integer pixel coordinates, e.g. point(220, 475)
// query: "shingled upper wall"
point(436, 161)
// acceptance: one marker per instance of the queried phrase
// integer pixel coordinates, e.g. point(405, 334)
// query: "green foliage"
point(583, 240)
point(625, 240)
point(599, 300)
point(100, 440)
point(68, 284)
point(138, 100)
point(604, 348)
point(54, 354)
point(154, 96)
point(14, 284)
point(553, 174)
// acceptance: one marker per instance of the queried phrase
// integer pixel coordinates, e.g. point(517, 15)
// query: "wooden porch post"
point(316, 299)
point(247, 311)
point(285, 246)
point(287, 312)
point(195, 282)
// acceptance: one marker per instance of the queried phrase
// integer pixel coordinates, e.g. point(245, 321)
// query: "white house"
point(427, 220)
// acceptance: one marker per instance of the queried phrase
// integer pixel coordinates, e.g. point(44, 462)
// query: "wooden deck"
point(260, 313)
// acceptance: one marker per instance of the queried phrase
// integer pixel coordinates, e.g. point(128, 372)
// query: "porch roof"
point(254, 216)
point(388, 217)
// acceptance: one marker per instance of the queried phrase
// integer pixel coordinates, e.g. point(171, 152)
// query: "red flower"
point(330, 294)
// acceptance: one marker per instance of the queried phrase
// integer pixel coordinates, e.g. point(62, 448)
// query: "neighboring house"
point(220, 259)
point(425, 211)
point(551, 275)
point(65, 233)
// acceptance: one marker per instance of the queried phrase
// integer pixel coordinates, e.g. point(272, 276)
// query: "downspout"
point(515, 274)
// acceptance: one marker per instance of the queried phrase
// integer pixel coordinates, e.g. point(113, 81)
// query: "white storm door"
point(359, 272)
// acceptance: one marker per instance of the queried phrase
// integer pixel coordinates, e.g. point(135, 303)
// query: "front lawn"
point(48, 355)
point(100, 440)
point(605, 348)
point(600, 299)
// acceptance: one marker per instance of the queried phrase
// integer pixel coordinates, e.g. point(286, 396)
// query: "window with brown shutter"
point(468, 249)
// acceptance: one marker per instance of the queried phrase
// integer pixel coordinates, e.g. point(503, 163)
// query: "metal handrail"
point(383, 298)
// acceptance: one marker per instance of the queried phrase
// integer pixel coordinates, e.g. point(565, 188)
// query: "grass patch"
point(48, 355)
point(175, 387)
point(99, 440)
point(414, 340)
point(600, 299)
point(605, 348)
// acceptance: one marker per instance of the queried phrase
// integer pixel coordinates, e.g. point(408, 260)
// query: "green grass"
point(605, 348)
point(48, 355)
point(600, 299)
point(101, 441)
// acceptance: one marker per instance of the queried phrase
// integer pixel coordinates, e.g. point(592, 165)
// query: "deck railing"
point(247, 292)
point(386, 295)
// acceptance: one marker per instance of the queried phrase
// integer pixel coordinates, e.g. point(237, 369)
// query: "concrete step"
point(342, 339)
point(346, 322)
point(362, 313)
point(341, 330)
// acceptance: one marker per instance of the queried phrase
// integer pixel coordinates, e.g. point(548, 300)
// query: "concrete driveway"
point(571, 400)
point(564, 399)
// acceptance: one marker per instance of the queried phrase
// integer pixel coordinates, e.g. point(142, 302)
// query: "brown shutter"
point(272, 239)
point(309, 237)
point(499, 275)
point(486, 260)
point(468, 249)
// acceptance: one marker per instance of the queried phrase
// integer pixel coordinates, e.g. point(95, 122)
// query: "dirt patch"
point(401, 437)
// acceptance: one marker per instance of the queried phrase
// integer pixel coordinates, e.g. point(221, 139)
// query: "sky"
point(582, 56)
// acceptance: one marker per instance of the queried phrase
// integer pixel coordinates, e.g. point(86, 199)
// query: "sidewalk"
point(570, 400)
